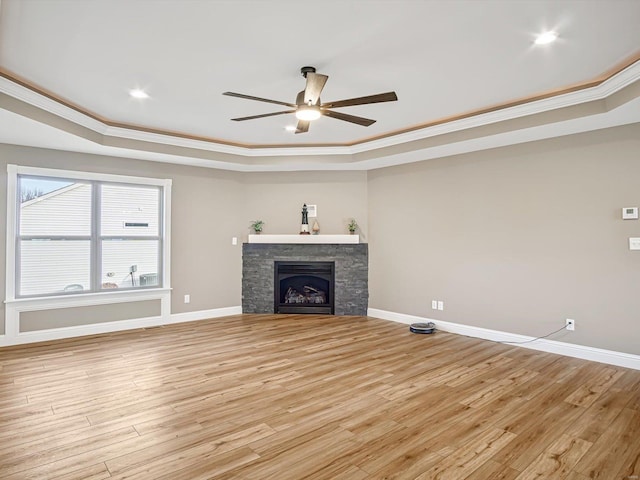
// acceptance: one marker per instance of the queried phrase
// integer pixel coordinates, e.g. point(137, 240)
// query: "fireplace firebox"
point(304, 287)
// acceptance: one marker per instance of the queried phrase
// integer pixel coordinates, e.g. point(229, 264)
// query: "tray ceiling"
point(453, 64)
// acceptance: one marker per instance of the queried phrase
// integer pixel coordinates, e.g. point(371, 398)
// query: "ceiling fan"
point(308, 106)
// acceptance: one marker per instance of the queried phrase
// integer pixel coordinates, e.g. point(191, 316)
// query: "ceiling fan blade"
point(379, 98)
point(262, 116)
point(303, 126)
point(315, 84)
point(365, 122)
point(258, 99)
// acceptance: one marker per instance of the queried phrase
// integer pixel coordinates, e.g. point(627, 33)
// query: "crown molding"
point(165, 139)
point(32, 97)
point(601, 91)
point(182, 148)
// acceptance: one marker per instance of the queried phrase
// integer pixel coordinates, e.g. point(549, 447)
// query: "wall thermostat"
point(630, 213)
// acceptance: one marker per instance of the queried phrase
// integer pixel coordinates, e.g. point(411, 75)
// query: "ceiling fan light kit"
point(308, 113)
point(308, 106)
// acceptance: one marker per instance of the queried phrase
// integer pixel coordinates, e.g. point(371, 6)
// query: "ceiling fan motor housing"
point(305, 70)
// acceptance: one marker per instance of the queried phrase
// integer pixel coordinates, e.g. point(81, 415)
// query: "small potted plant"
point(257, 226)
point(352, 226)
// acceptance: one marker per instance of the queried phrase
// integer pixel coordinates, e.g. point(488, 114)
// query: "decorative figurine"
point(304, 227)
point(316, 228)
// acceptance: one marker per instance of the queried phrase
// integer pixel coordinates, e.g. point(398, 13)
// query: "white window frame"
point(16, 305)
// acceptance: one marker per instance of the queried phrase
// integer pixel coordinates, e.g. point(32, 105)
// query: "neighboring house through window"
point(76, 232)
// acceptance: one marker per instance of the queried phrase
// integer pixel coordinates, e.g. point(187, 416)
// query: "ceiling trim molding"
point(24, 92)
point(601, 91)
point(165, 139)
point(613, 102)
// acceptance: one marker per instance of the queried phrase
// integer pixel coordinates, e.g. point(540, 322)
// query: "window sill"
point(82, 299)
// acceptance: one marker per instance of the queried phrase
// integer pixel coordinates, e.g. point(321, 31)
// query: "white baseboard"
point(79, 331)
point(204, 314)
point(610, 357)
point(107, 327)
point(562, 348)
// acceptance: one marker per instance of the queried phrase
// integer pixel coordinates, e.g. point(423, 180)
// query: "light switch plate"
point(634, 243)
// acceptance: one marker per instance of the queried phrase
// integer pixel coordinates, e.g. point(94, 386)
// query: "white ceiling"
point(444, 59)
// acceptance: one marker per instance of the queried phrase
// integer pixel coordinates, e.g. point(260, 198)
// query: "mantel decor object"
point(304, 226)
point(257, 226)
point(352, 226)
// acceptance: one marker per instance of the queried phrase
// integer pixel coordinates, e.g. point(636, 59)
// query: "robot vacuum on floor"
point(428, 327)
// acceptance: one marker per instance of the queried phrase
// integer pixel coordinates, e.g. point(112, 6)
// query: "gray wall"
point(515, 239)
point(204, 264)
point(277, 198)
point(69, 317)
point(209, 207)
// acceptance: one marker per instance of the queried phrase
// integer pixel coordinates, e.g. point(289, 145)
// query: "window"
point(86, 233)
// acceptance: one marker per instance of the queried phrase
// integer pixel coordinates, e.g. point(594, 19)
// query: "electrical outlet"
point(440, 305)
point(434, 304)
point(234, 240)
point(187, 298)
point(570, 324)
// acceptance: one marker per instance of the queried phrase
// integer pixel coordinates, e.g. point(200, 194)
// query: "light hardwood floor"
point(310, 397)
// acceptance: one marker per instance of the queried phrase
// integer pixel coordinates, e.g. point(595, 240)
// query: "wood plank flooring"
point(310, 397)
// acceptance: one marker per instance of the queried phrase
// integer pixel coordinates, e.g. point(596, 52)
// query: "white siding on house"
point(123, 204)
point(49, 266)
point(63, 212)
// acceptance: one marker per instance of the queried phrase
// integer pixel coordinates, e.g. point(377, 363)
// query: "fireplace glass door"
point(304, 287)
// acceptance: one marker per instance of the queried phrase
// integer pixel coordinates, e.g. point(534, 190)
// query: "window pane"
point(130, 211)
point(54, 266)
point(54, 207)
point(127, 263)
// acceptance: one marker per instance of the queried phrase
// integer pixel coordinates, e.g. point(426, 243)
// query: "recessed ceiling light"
point(138, 93)
point(290, 128)
point(545, 38)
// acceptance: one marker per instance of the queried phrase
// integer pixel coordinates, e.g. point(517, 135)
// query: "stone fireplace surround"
point(351, 273)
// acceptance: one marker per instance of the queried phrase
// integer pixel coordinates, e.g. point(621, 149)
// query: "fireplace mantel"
point(307, 239)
